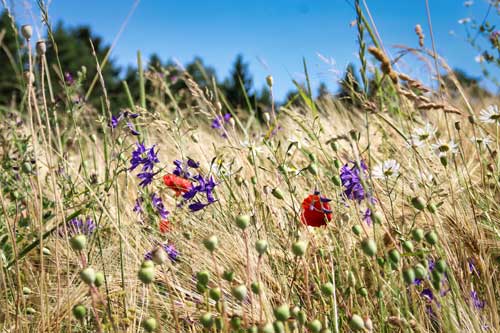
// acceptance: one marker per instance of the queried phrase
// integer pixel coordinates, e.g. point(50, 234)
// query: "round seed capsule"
point(242, 221)
point(79, 311)
point(417, 234)
point(440, 266)
point(240, 292)
point(431, 237)
point(261, 246)
point(215, 294)
point(327, 289)
point(357, 229)
point(408, 246)
point(99, 279)
point(203, 277)
point(315, 326)
point(255, 287)
point(299, 248)
point(207, 320)
point(418, 203)
point(211, 243)
point(420, 271)
point(87, 275)
point(409, 275)
point(267, 328)
point(78, 242)
point(369, 247)
point(282, 312)
point(146, 274)
point(356, 323)
point(394, 256)
point(150, 325)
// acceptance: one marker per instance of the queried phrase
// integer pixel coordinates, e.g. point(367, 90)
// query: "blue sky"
point(273, 35)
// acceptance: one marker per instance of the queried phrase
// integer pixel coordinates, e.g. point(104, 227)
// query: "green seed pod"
point(327, 289)
point(295, 312)
point(242, 221)
point(336, 180)
point(203, 277)
point(301, 317)
point(440, 266)
point(253, 180)
point(279, 327)
point(228, 275)
point(351, 279)
point(408, 246)
point(219, 324)
point(436, 284)
point(418, 203)
point(436, 275)
point(312, 157)
point(292, 326)
point(201, 288)
point(146, 275)
point(253, 329)
point(255, 287)
point(356, 323)
point(363, 292)
point(432, 208)
point(313, 169)
point(409, 275)
point(99, 279)
point(326, 330)
point(334, 146)
point(276, 192)
point(267, 328)
point(381, 261)
point(26, 291)
point(79, 311)
point(299, 248)
point(336, 163)
point(207, 320)
point(78, 242)
point(357, 229)
point(211, 243)
point(417, 234)
point(235, 322)
point(30, 311)
point(431, 237)
point(215, 294)
point(420, 271)
point(239, 292)
point(380, 293)
point(315, 326)
point(261, 246)
point(377, 217)
point(394, 256)
point(150, 324)
point(282, 312)
point(88, 275)
point(147, 264)
point(369, 247)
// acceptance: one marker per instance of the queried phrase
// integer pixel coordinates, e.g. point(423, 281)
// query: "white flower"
point(442, 147)
point(464, 20)
point(422, 135)
point(490, 114)
point(479, 59)
point(482, 140)
point(387, 169)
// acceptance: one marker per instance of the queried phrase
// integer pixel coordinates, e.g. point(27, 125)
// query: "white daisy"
point(490, 114)
point(422, 135)
point(387, 169)
point(442, 147)
point(482, 140)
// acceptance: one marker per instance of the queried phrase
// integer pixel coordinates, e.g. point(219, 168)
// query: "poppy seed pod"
point(420, 271)
point(299, 248)
point(150, 325)
point(99, 279)
point(239, 292)
point(409, 275)
point(88, 275)
point(408, 246)
point(255, 287)
point(146, 274)
point(261, 246)
point(78, 242)
point(207, 320)
point(79, 311)
point(315, 326)
point(242, 221)
point(417, 234)
point(269, 80)
point(147, 264)
point(282, 312)
point(27, 31)
point(327, 289)
point(267, 328)
point(356, 323)
point(369, 247)
point(279, 327)
point(432, 208)
point(215, 294)
point(440, 266)
point(203, 277)
point(357, 229)
point(431, 237)
point(228, 275)
point(41, 47)
point(418, 203)
point(394, 256)
point(276, 192)
point(313, 169)
point(235, 322)
point(211, 243)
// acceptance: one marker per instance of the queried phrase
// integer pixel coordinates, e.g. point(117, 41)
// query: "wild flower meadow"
point(378, 215)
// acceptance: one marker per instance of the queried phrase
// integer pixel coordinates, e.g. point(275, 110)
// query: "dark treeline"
point(70, 59)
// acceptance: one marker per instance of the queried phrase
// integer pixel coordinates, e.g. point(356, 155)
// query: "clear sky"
point(273, 35)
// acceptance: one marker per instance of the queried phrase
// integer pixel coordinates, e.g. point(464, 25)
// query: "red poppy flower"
point(164, 226)
point(178, 184)
point(315, 211)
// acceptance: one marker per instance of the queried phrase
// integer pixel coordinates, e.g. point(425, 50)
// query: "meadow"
point(379, 213)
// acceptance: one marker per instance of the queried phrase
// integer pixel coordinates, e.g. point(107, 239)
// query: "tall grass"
point(411, 243)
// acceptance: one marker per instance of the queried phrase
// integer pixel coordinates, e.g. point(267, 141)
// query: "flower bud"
point(41, 47)
point(369, 247)
point(79, 311)
point(409, 275)
point(334, 145)
point(431, 237)
point(276, 192)
point(440, 266)
point(269, 80)
point(351, 279)
point(363, 292)
point(418, 203)
point(203, 277)
point(299, 248)
point(26, 291)
point(336, 180)
point(27, 31)
point(432, 208)
point(239, 292)
point(315, 326)
point(327, 289)
point(417, 234)
point(242, 221)
point(261, 246)
point(211, 243)
point(30, 311)
point(46, 251)
point(267, 117)
point(78, 242)
point(150, 325)
point(207, 320)
point(255, 287)
point(313, 169)
point(443, 159)
point(228, 275)
point(88, 275)
point(99, 279)
point(357, 229)
point(336, 163)
point(215, 294)
point(356, 323)
point(282, 312)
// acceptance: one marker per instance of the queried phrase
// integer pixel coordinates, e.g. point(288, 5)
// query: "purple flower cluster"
point(476, 301)
point(219, 121)
point(182, 169)
point(77, 226)
point(115, 121)
point(204, 187)
point(68, 78)
point(350, 177)
point(158, 205)
point(173, 254)
point(138, 205)
point(147, 158)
